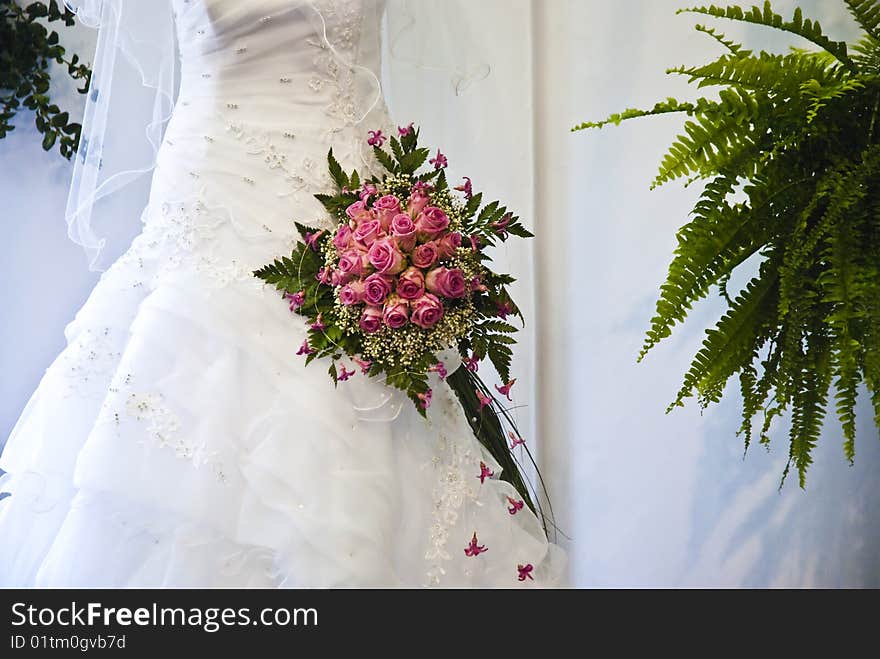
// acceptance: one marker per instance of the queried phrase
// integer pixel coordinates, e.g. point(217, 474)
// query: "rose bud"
point(404, 231)
point(430, 223)
point(377, 289)
point(426, 311)
point(386, 257)
point(411, 284)
point(424, 256)
point(449, 283)
point(386, 208)
point(371, 320)
point(396, 312)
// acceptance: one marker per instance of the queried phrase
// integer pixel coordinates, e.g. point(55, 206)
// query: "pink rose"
point(424, 256)
point(342, 239)
point(386, 208)
point(352, 293)
point(430, 223)
point(386, 257)
point(446, 282)
point(367, 232)
point(377, 288)
point(359, 213)
point(448, 244)
point(396, 312)
point(404, 231)
point(411, 284)
point(351, 263)
point(426, 311)
point(371, 320)
point(417, 201)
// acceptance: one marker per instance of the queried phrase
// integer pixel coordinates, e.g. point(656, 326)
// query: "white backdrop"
point(647, 499)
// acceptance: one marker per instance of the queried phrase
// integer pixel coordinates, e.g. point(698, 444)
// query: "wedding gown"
point(178, 440)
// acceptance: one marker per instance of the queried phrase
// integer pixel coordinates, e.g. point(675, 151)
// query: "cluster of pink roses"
point(389, 256)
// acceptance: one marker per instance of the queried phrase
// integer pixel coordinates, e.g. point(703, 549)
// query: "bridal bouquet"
point(403, 281)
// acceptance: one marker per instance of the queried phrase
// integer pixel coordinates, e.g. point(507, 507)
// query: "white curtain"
point(647, 499)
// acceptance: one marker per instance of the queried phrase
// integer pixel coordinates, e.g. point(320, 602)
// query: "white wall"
point(648, 499)
point(44, 276)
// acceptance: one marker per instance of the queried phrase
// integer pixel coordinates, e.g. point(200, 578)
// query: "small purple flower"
point(403, 131)
point(426, 398)
point(376, 138)
point(440, 369)
point(439, 161)
point(364, 365)
point(501, 226)
point(525, 572)
point(504, 309)
point(367, 191)
point(324, 276)
point(296, 299)
point(475, 242)
point(311, 239)
point(515, 441)
point(505, 390)
point(318, 325)
point(474, 548)
point(305, 349)
point(485, 473)
point(345, 375)
point(472, 363)
point(483, 399)
point(422, 187)
point(477, 285)
point(466, 187)
point(515, 506)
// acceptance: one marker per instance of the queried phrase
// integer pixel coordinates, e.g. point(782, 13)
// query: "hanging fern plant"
point(789, 154)
point(27, 48)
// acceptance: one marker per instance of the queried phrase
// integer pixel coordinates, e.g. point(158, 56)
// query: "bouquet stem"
point(488, 428)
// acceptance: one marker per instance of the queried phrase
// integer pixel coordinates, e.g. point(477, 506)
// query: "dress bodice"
point(273, 60)
point(266, 88)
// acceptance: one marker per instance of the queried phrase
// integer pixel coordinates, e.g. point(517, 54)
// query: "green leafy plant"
point(27, 47)
point(788, 153)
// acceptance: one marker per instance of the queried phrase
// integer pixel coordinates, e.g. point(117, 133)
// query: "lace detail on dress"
point(307, 176)
point(161, 426)
point(90, 356)
point(181, 237)
point(454, 466)
point(334, 70)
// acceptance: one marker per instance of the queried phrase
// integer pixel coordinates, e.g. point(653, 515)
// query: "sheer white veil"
point(134, 83)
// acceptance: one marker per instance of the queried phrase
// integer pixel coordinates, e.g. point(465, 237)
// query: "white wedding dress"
point(178, 440)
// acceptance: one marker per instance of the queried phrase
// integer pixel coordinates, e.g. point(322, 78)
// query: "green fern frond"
point(730, 340)
point(805, 28)
point(732, 46)
point(789, 157)
point(810, 400)
point(716, 131)
point(867, 15)
point(775, 75)
point(669, 106)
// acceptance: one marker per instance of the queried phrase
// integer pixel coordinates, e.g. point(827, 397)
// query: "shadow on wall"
point(824, 535)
